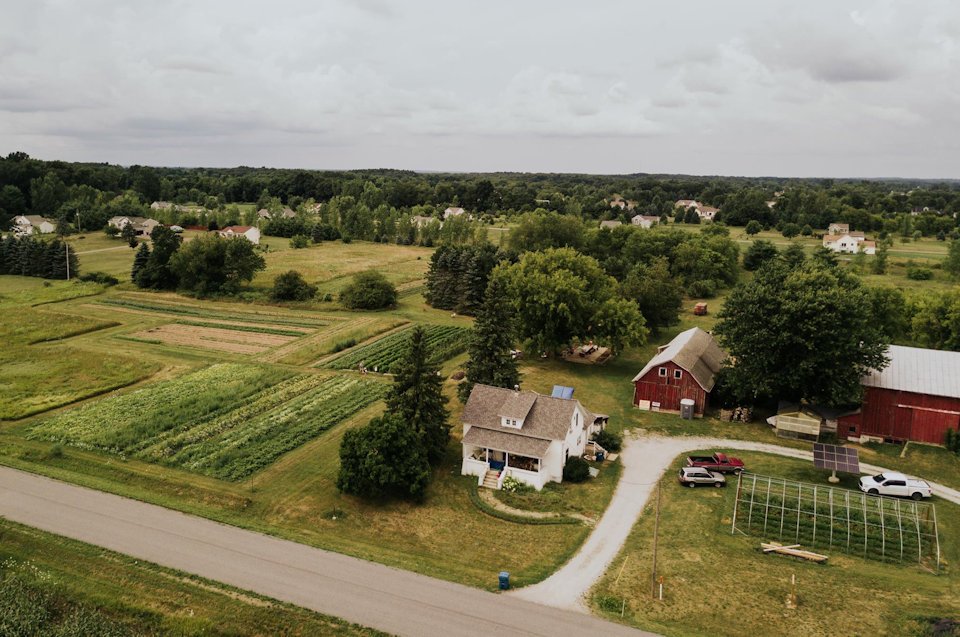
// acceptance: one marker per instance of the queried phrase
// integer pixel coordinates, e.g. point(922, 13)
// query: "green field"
point(746, 589)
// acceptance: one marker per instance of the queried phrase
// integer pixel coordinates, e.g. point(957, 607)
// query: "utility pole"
point(78, 223)
point(66, 247)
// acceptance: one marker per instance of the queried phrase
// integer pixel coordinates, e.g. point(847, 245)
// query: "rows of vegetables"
point(443, 341)
point(226, 420)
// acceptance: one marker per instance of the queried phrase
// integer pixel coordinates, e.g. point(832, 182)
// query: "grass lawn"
point(714, 579)
point(48, 579)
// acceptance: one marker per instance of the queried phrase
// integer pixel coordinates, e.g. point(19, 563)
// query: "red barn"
point(685, 368)
point(916, 397)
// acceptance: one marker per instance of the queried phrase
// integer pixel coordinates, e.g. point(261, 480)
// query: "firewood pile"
point(737, 414)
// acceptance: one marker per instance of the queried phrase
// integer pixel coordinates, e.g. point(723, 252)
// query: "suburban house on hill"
point(685, 368)
point(610, 224)
point(421, 221)
point(249, 233)
point(619, 202)
point(707, 213)
point(141, 225)
point(645, 221)
point(916, 397)
point(29, 224)
point(453, 212)
point(685, 204)
point(849, 242)
point(523, 434)
point(838, 228)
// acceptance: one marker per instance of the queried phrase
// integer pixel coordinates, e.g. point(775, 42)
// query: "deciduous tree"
point(384, 458)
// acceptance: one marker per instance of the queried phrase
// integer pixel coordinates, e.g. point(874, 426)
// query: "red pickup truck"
point(717, 462)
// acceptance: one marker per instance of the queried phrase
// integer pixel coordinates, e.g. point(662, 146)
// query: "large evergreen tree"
point(491, 342)
point(157, 273)
point(417, 396)
point(140, 260)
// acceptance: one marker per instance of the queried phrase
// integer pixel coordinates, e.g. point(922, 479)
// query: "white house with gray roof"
point(524, 435)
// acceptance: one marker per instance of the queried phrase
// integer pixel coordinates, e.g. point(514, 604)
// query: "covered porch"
point(493, 456)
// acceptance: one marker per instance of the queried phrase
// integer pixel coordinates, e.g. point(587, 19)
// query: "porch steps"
point(490, 479)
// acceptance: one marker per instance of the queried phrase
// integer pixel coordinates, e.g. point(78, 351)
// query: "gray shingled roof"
point(517, 405)
point(549, 418)
point(921, 371)
point(509, 442)
point(695, 351)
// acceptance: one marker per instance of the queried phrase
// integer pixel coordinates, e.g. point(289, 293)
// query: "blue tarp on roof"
point(559, 391)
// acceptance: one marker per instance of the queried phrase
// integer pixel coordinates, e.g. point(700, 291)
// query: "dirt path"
point(644, 461)
point(487, 496)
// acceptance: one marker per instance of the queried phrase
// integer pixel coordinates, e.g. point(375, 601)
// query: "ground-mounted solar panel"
point(835, 458)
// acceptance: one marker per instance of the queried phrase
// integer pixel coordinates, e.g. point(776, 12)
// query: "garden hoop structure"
point(877, 527)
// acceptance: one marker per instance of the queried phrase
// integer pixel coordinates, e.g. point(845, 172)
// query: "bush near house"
point(576, 470)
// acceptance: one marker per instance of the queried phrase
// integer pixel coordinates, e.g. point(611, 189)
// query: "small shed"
point(792, 421)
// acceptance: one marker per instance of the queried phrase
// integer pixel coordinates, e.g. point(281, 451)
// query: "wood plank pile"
point(793, 550)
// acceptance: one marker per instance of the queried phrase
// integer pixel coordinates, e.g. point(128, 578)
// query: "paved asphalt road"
point(366, 593)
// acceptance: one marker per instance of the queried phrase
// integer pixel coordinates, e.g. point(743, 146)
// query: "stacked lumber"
point(793, 550)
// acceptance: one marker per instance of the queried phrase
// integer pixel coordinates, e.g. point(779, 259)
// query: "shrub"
point(369, 290)
point(298, 241)
point(758, 253)
point(806, 230)
point(753, 227)
point(609, 440)
point(790, 230)
point(327, 298)
point(703, 289)
point(290, 286)
point(99, 277)
point(919, 274)
point(576, 470)
point(512, 485)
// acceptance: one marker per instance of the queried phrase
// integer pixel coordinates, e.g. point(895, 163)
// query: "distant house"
point(849, 243)
point(250, 233)
point(684, 368)
point(30, 224)
point(619, 202)
point(524, 435)
point(645, 221)
point(916, 397)
point(141, 225)
point(686, 204)
point(288, 213)
point(453, 212)
point(707, 213)
point(838, 228)
point(162, 205)
point(610, 224)
point(771, 203)
point(263, 213)
point(420, 221)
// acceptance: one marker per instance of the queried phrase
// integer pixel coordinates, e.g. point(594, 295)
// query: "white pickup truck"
point(897, 484)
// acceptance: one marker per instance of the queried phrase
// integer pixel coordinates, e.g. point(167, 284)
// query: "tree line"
point(28, 256)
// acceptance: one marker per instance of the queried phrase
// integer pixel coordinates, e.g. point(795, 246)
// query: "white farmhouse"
point(838, 228)
point(707, 213)
point(524, 435)
point(453, 212)
point(849, 243)
point(250, 233)
point(30, 224)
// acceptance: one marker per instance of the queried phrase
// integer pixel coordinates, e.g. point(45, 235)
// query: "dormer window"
point(511, 422)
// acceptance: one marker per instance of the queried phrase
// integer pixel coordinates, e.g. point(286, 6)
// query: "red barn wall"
point(900, 415)
point(668, 391)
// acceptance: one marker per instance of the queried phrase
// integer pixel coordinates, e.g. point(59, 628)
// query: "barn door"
point(931, 426)
point(902, 423)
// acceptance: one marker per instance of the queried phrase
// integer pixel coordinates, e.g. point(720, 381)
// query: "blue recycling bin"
point(504, 580)
point(600, 456)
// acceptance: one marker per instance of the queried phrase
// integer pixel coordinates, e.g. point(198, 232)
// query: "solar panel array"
point(835, 458)
point(559, 391)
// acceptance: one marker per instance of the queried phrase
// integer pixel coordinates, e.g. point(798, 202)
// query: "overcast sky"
point(825, 88)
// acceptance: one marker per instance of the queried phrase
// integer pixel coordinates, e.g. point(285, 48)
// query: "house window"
point(663, 372)
point(677, 374)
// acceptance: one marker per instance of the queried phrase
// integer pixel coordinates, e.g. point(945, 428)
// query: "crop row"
point(185, 310)
point(237, 452)
point(120, 423)
point(443, 342)
point(257, 329)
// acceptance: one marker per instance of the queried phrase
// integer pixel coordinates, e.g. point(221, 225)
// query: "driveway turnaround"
point(366, 593)
point(644, 461)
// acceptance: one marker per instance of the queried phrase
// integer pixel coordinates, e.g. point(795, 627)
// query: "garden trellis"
point(876, 527)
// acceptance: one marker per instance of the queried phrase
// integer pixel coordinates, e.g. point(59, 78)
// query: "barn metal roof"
point(917, 370)
point(695, 351)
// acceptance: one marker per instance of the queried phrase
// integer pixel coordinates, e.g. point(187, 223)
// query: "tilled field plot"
point(220, 339)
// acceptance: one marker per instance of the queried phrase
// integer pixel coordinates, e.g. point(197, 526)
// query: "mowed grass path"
point(746, 589)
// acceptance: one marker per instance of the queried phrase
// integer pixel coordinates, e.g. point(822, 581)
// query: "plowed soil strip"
point(213, 338)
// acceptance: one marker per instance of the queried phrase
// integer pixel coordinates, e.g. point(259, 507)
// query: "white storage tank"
point(686, 408)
